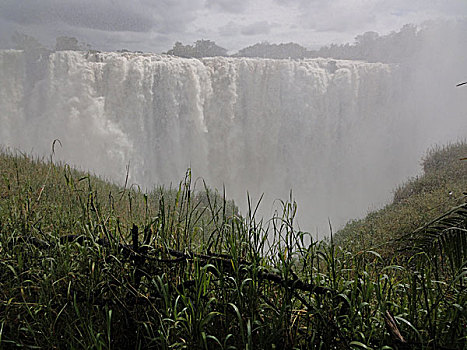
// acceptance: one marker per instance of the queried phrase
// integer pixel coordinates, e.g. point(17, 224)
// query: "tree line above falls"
point(395, 47)
point(370, 46)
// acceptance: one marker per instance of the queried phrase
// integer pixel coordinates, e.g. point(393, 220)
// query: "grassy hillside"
point(88, 264)
point(442, 185)
point(40, 198)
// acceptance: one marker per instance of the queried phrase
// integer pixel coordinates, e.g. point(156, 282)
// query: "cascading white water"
point(333, 131)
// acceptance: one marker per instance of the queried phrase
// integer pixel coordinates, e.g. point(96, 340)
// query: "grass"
point(88, 264)
point(442, 185)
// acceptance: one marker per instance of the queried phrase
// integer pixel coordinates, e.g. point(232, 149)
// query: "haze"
point(340, 131)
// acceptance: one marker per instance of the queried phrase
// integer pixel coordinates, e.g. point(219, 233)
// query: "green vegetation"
point(442, 186)
point(201, 48)
point(88, 264)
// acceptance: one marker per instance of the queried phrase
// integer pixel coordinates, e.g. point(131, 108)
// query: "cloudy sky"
point(154, 25)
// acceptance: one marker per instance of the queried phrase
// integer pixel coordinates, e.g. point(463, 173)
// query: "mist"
point(339, 132)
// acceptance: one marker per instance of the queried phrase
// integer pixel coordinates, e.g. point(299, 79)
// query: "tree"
point(64, 43)
point(201, 48)
point(181, 50)
point(267, 50)
point(208, 48)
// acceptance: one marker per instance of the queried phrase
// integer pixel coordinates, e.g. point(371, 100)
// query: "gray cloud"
point(262, 27)
point(361, 15)
point(154, 25)
point(230, 6)
point(103, 15)
point(106, 15)
point(107, 23)
point(230, 29)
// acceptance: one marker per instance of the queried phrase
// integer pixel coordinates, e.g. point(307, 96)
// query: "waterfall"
point(335, 132)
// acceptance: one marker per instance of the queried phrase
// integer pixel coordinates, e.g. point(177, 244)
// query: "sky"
point(155, 25)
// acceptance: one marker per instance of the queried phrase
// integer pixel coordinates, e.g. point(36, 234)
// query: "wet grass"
point(88, 264)
point(441, 186)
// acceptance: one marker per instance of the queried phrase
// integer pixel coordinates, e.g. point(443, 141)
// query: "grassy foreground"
point(85, 264)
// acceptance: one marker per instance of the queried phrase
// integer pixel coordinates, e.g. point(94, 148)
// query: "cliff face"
point(333, 131)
